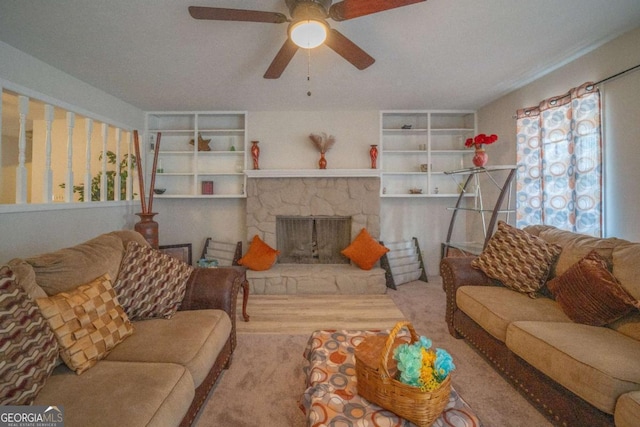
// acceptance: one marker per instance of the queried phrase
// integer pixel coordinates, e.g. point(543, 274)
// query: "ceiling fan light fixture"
point(308, 33)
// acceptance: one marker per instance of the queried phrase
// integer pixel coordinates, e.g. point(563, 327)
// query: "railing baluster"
point(103, 180)
point(116, 178)
point(47, 186)
point(21, 171)
point(129, 165)
point(88, 127)
point(71, 123)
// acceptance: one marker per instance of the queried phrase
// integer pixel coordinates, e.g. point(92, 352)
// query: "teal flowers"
point(419, 366)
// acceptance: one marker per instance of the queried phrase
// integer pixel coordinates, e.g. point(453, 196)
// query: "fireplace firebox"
point(312, 239)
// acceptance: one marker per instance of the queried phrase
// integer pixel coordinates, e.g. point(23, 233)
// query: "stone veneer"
point(357, 197)
point(354, 196)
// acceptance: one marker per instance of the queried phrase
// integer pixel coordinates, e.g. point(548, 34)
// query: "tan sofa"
point(576, 374)
point(163, 372)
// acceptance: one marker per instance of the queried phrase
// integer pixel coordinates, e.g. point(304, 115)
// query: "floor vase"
point(148, 228)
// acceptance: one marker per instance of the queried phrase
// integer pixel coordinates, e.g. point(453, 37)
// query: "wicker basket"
point(376, 380)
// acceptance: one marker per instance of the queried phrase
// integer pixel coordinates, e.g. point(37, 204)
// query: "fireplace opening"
point(312, 239)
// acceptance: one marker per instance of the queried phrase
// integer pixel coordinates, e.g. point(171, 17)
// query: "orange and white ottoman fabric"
point(331, 397)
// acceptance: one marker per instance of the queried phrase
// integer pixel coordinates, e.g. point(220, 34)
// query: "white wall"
point(28, 233)
point(621, 116)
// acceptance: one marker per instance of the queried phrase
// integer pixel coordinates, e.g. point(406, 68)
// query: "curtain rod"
point(606, 79)
point(616, 75)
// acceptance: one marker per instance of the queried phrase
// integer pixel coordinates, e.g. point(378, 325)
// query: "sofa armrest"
point(456, 272)
point(213, 288)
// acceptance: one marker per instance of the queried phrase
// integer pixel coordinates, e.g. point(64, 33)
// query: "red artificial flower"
point(480, 139)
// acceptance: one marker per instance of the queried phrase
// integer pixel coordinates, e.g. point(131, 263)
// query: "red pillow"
point(260, 256)
point(364, 251)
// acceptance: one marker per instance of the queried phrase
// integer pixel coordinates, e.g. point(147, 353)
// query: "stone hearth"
point(317, 279)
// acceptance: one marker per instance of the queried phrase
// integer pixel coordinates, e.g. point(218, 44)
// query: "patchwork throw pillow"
point(588, 293)
point(88, 322)
point(364, 251)
point(28, 348)
point(260, 256)
point(151, 283)
point(519, 260)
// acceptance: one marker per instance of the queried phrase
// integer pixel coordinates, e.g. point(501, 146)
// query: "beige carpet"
point(265, 380)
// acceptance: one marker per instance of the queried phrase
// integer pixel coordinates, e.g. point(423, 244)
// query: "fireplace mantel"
point(312, 173)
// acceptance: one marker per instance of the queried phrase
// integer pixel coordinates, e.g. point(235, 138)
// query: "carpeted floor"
point(265, 380)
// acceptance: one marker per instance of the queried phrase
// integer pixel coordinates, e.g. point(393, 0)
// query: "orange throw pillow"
point(364, 251)
point(260, 256)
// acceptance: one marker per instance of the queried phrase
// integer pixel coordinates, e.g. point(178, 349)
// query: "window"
point(559, 158)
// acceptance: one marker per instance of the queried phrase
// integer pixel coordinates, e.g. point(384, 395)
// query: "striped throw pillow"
point(150, 283)
point(519, 260)
point(28, 348)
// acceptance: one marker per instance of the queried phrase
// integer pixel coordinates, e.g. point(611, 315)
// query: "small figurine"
point(203, 144)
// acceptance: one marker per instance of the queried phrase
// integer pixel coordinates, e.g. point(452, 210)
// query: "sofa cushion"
point(151, 283)
point(588, 293)
point(260, 256)
point(364, 251)
point(596, 363)
point(191, 338)
point(495, 307)
point(88, 322)
point(628, 325)
point(627, 411)
point(28, 348)
point(576, 246)
point(26, 278)
point(68, 268)
point(518, 259)
point(115, 394)
point(626, 267)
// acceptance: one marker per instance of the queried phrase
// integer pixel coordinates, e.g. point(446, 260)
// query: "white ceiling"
point(442, 54)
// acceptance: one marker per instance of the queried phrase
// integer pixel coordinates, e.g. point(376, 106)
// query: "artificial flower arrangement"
point(422, 367)
point(480, 139)
point(322, 142)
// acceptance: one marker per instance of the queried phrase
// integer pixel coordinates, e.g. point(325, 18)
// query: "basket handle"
point(390, 340)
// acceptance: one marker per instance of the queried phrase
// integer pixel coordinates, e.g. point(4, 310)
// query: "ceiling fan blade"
point(282, 59)
point(222, 14)
point(348, 50)
point(349, 9)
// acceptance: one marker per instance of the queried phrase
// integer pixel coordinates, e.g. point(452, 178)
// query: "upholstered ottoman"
point(331, 397)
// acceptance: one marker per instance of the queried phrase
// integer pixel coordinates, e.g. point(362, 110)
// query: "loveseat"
point(576, 373)
point(136, 367)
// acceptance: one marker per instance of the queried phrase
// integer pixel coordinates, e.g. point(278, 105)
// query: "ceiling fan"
point(308, 27)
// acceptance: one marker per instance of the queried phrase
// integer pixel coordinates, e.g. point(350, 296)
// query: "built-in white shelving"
point(183, 170)
point(418, 146)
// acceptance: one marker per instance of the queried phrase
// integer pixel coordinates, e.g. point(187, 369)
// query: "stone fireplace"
point(355, 197)
point(313, 208)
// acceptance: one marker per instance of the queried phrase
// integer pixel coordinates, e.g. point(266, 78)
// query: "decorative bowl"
point(415, 191)
point(159, 190)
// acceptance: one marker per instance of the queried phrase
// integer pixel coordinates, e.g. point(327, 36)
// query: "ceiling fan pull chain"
point(309, 72)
